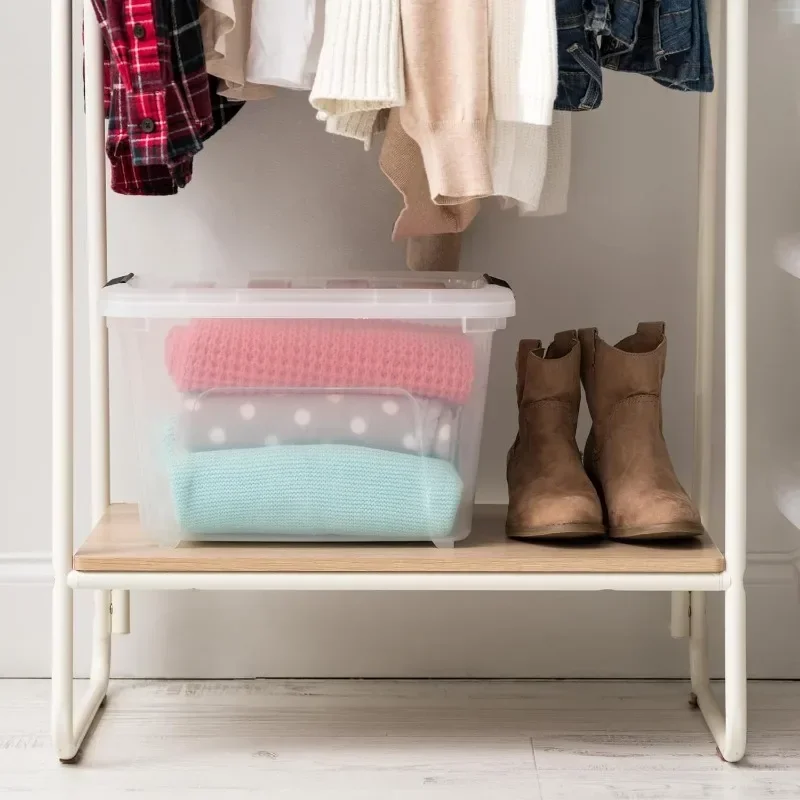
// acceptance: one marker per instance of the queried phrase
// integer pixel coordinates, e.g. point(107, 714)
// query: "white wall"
point(274, 192)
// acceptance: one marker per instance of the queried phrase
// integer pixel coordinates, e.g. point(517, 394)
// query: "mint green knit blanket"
point(313, 490)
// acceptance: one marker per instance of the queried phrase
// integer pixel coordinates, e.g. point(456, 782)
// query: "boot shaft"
point(525, 349)
point(552, 375)
point(549, 491)
point(626, 454)
point(612, 374)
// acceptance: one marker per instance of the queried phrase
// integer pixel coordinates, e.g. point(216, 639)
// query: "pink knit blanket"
point(430, 361)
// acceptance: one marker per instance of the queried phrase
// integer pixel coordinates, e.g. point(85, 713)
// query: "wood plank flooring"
point(386, 740)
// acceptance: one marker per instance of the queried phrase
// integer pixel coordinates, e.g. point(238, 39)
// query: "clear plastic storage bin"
point(313, 409)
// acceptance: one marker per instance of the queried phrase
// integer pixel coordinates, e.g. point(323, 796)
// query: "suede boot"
point(549, 492)
point(626, 455)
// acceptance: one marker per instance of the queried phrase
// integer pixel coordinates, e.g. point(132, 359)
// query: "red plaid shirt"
point(160, 103)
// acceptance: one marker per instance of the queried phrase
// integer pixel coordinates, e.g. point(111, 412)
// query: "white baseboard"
point(26, 568)
point(773, 568)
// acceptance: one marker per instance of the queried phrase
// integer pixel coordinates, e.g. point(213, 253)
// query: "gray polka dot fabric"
point(217, 420)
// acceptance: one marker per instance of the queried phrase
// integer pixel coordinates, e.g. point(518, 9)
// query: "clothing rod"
point(708, 159)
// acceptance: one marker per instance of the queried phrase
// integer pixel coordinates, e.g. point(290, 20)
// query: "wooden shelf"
point(118, 545)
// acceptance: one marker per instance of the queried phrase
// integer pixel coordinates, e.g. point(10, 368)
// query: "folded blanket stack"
point(309, 428)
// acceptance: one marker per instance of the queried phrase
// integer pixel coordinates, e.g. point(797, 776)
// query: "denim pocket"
point(624, 26)
point(675, 21)
point(580, 82)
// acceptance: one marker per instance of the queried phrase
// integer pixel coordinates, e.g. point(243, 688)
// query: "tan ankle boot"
point(626, 455)
point(549, 491)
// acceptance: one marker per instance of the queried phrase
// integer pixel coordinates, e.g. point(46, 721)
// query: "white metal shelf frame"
point(111, 590)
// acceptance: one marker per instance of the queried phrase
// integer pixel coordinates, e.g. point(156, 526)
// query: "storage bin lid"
point(386, 295)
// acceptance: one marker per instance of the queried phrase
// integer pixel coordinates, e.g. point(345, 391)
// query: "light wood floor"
point(382, 740)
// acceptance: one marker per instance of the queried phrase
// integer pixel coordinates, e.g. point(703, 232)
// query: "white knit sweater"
point(552, 199)
point(524, 82)
point(360, 68)
point(524, 60)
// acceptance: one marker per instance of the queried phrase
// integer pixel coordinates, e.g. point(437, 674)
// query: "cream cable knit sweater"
point(361, 66)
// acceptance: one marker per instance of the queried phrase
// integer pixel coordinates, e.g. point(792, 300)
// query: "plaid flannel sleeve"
point(160, 103)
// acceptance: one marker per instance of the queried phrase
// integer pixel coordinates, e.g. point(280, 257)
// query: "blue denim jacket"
point(580, 80)
point(666, 39)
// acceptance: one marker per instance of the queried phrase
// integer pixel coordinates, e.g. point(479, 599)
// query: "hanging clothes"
point(435, 151)
point(442, 252)
point(401, 161)
point(524, 173)
point(360, 67)
point(465, 89)
point(446, 50)
point(665, 39)
point(160, 103)
point(226, 42)
point(524, 84)
point(524, 60)
point(580, 78)
point(285, 42)
point(359, 125)
point(553, 197)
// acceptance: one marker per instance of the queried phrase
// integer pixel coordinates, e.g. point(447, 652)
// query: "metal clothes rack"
point(111, 584)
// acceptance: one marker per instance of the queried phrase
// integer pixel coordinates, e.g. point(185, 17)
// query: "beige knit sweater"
point(446, 50)
point(225, 25)
point(401, 162)
point(436, 151)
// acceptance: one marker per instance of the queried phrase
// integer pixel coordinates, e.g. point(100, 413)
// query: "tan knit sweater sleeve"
point(401, 162)
point(446, 44)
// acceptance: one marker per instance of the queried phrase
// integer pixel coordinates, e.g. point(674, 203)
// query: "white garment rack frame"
point(111, 589)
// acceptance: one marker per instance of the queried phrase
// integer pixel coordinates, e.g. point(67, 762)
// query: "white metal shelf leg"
point(97, 265)
point(706, 290)
point(679, 615)
point(100, 669)
point(61, 316)
point(97, 272)
point(61, 684)
point(120, 611)
point(730, 730)
point(735, 742)
point(733, 746)
point(698, 665)
point(69, 728)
